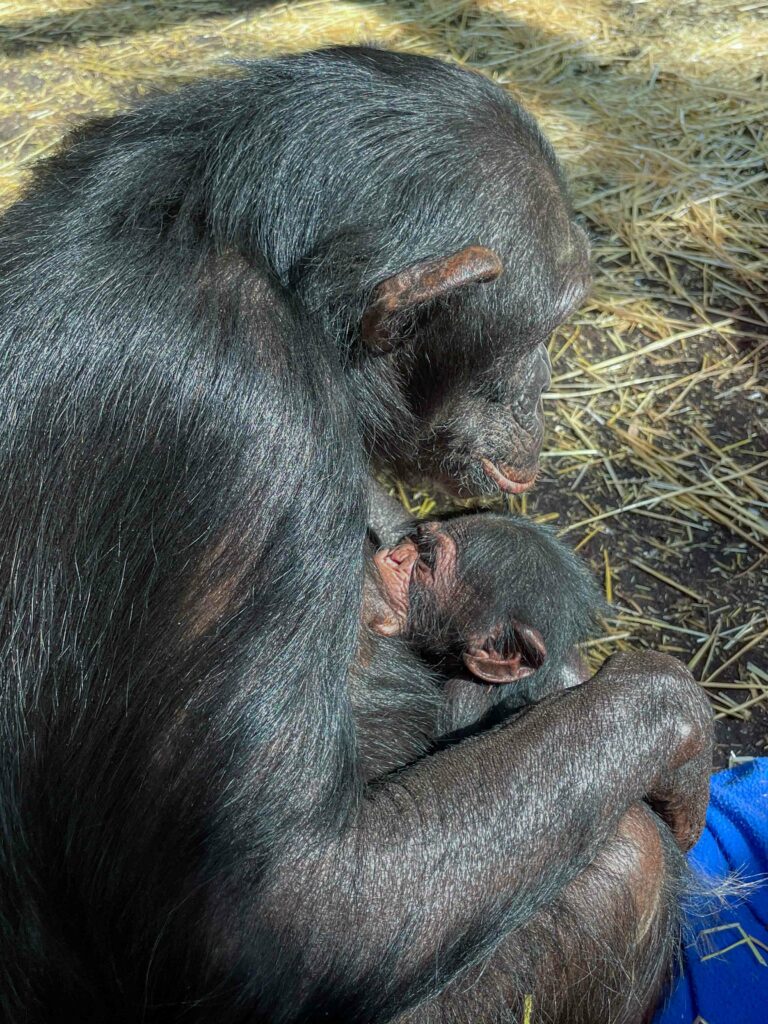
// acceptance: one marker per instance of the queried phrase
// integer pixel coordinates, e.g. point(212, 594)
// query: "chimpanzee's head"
point(470, 360)
point(461, 335)
point(418, 210)
point(498, 593)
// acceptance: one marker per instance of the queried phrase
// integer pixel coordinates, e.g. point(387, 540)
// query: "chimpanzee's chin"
point(463, 483)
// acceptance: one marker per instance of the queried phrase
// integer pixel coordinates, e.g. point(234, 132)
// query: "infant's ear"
point(493, 667)
point(495, 661)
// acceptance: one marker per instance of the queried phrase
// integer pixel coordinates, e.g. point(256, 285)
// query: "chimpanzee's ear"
point(494, 662)
point(421, 283)
point(494, 667)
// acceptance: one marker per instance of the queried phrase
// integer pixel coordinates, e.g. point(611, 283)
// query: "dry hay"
point(657, 455)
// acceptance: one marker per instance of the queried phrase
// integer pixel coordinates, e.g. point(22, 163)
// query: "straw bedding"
point(657, 461)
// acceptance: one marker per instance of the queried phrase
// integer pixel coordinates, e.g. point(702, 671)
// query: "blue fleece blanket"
point(724, 974)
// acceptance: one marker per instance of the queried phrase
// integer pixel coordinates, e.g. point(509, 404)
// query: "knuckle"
point(661, 678)
point(669, 672)
point(665, 685)
point(692, 742)
point(649, 667)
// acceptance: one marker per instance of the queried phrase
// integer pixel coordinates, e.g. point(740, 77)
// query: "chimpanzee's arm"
point(448, 856)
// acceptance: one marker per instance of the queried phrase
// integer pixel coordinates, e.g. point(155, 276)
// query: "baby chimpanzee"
point(472, 600)
point(498, 595)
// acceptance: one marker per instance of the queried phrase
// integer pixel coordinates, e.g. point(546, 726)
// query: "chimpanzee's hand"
point(669, 701)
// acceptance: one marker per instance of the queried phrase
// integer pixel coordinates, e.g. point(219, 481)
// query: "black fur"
point(188, 419)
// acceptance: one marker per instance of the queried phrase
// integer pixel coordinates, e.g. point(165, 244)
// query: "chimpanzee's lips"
point(506, 479)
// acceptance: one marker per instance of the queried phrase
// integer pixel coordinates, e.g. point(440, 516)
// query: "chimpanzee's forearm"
point(448, 856)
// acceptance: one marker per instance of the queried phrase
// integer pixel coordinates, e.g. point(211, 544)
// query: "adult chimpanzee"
point(216, 309)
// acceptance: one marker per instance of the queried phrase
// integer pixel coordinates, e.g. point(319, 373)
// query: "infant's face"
point(424, 564)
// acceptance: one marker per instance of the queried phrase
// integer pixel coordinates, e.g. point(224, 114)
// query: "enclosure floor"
point(656, 456)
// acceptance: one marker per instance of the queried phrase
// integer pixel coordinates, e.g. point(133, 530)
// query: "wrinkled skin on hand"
point(679, 792)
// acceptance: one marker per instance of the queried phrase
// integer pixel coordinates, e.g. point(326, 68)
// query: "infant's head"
point(496, 593)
